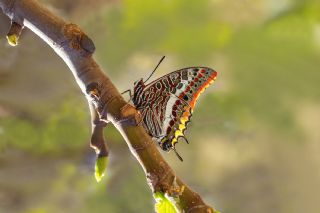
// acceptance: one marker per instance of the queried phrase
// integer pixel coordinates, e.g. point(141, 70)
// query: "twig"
point(106, 103)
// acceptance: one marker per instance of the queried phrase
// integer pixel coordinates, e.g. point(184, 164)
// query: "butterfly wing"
point(168, 103)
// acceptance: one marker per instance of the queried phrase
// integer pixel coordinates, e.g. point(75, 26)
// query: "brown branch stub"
point(77, 39)
point(93, 91)
point(14, 33)
point(97, 141)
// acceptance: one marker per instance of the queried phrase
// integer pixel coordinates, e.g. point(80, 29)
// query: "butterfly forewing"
point(167, 103)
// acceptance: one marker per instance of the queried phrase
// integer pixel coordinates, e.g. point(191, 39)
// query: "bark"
point(106, 103)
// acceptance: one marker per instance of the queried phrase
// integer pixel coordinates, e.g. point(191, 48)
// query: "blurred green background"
point(254, 137)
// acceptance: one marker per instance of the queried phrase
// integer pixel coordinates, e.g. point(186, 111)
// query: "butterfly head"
point(138, 82)
point(165, 144)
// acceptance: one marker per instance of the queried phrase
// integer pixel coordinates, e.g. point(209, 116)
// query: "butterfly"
point(166, 104)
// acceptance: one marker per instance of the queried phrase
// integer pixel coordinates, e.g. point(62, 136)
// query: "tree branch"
point(106, 103)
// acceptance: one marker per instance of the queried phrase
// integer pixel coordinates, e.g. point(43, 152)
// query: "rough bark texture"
point(106, 103)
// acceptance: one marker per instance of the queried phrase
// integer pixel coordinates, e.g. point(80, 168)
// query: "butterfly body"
point(167, 103)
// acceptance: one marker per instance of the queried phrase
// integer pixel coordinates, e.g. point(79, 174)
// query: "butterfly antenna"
point(155, 69)
point(175, 151)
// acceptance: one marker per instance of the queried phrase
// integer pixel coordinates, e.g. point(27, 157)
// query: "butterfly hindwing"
point(167, 103)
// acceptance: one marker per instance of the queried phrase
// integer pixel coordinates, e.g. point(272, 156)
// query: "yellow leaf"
point(100, 168)
point(12, 39)
point(163, 205)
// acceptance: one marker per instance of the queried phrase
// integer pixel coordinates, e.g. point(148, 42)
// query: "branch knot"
point(77, 39)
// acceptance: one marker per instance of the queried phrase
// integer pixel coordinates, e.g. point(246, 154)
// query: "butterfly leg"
point(128, 90)
point(130, 95)
point(177, 154)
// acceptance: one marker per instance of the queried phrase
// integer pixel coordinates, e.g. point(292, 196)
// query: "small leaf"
point(163, 205)
point(100, 168)
point(12, 39)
